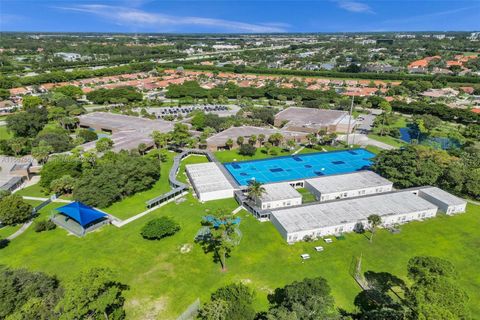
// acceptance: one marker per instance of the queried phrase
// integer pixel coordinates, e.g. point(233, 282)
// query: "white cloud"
point(141, 19)
point(430, 16)
point(354, 6)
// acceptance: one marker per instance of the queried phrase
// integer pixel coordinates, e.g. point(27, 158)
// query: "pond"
point(444, 143)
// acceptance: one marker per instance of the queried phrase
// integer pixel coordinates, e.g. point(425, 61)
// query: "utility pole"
point(349, 122)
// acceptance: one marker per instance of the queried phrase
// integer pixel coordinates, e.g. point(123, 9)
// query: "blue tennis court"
point(300, 166)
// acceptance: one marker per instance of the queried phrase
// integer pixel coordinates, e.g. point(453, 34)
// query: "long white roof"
point(334, 213)
point(350, 181)
point(443, 196)
point(279, 191)
point(207, 177)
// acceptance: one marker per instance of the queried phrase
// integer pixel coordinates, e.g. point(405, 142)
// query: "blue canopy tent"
point(83, 215)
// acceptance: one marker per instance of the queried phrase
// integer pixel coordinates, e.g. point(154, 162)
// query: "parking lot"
point(221, 110)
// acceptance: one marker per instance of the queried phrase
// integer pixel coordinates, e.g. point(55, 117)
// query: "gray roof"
point(352, 210)
point(207, 177)
point(346, 182)
point(311, 116)
point(120, 122)
point(128, 131)
point(233, 133)
point(279, 191)
point(443, 196)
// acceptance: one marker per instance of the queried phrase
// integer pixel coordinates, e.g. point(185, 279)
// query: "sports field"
point(300, 166)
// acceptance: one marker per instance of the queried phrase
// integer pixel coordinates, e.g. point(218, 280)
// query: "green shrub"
point(14, 210)
point(44, 225)
point(159, 228)
point(247, 150)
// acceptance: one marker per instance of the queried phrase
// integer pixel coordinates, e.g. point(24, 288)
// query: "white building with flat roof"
point(334, 217)
point(209, 182)
point(278, 195)
point(445, 201)
point(348, 185)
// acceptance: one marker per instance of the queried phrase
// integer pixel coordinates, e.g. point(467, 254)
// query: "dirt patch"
point(149, 309)
point(186, 248)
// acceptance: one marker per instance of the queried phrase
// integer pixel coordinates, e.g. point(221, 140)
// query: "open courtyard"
point(164, 281)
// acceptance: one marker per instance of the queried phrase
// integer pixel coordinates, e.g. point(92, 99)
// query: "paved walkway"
point(45, 199)
point(20, 231)
point(120, 223)
point(300, 149)
point(364, 140)
point(237, 210)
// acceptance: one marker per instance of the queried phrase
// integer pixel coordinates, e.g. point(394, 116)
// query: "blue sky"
point(244, 16)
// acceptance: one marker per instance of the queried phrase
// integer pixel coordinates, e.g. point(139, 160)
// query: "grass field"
point(191, 159)
point(164, 281)
point(232, 155)
point(388, 140)
point(32, 191)
point(4, 134)
point(135, 204)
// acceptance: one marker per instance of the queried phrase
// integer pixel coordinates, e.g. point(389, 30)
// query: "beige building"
point(127, 132)
point(313, 120)
point(219, 140)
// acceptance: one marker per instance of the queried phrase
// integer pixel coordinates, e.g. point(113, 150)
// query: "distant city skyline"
point(248, 16)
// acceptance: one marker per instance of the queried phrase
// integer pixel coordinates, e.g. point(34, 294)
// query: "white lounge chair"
point(319, 248)
point(305, 256)
point(328, 240)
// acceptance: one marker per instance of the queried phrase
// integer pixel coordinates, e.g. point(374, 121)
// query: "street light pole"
point(349, 122)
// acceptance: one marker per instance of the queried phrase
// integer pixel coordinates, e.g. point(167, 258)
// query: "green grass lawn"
point(32, 191)
point(374, 149)
point(388, 140)
point(307, 196)
point(4, 133)
point(163, 281)
point(232, 155)
point(191, 159)
point(8, 231)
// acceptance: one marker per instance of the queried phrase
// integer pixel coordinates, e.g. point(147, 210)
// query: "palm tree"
point(261, 138)
point(312, 138)
point(374, 220)
point(255, 190)
point(291, 144)
point(240, 140)
point(229, 143)
point(142, 147)
point(252, 140)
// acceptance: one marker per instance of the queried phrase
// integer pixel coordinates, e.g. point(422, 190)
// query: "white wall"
point(444, 207)
point(346, 194)
point(280, 203)
point(215, 195)
point(349, 227)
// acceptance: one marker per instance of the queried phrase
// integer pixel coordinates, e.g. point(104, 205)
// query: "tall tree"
point(223, 237)
point(42, 151)
point(435, 293)
point(232, 302)
point(94, 294)
point(309, 299)
point(255, 190)
point(387, 109)
point(14, 210)
point(374, 221)
point(104, 144)
point(161, 139)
